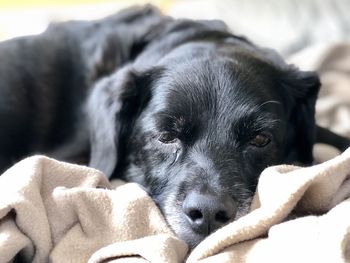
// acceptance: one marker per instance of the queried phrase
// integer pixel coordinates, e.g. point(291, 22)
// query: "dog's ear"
point(302, 89)
point(112, 108)
point(120, 38)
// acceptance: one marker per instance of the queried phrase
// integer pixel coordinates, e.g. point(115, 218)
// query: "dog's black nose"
point(207, 212)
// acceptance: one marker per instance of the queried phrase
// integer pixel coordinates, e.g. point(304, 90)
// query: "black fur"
point(185, 108)
point(45, 79)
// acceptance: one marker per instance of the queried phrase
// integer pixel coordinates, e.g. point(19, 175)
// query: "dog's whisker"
point(269, 101)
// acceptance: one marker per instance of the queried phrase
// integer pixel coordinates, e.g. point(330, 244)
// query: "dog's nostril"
point(207, 212)
point(195, 214)
point(222, 217)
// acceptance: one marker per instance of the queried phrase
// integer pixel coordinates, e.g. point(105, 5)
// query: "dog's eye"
point(167, 137)
point(260, 140)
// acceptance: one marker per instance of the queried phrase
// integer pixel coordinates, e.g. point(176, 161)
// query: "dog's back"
point(44, 80)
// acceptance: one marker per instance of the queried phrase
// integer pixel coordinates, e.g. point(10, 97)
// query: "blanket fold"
point(59, 212)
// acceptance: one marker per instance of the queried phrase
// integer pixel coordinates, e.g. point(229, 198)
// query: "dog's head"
point(197, 128)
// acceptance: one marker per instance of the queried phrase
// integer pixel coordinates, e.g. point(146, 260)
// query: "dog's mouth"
point(191, 237)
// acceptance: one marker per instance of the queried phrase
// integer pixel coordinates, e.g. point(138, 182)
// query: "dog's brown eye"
point(167, 137)
point(260, 140)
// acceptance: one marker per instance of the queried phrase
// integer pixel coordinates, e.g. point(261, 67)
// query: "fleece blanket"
point(60, 212)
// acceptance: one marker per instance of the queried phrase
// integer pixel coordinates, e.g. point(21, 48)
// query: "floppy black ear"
point(303, 88)
point(112, 108)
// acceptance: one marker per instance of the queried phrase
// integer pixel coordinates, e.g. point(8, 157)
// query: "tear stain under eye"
point(176, 153)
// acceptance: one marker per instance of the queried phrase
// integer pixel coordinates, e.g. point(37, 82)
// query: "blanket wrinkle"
point(59, 212)
point(169, 250)
point(65, 213)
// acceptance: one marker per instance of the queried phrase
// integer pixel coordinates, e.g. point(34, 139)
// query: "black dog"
point(196, 118)
point(185, 108)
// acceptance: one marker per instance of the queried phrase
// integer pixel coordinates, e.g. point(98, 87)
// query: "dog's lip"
point(190, 236)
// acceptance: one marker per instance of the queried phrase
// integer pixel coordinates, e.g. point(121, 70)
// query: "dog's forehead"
point(205, 85)
point(220, 92)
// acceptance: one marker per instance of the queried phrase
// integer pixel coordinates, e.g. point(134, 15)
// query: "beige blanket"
point(59, 212)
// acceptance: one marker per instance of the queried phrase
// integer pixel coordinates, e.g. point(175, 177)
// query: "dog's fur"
point(185, 108)
point(45, 79)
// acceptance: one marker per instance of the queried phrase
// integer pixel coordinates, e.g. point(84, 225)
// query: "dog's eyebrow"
point(250, 126)
point(269, 102)
point(255, 119)
point(169, 122)
point(263, 121)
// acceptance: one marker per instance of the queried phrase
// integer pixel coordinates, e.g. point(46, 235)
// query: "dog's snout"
point(207, 212)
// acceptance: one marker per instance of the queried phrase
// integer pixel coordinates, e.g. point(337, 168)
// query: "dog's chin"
point(191, 238)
